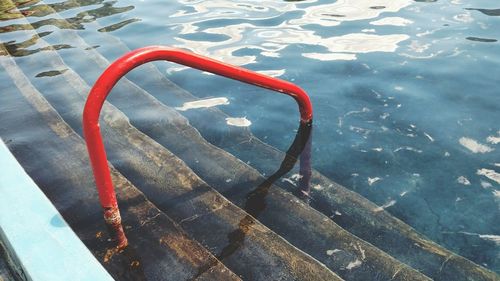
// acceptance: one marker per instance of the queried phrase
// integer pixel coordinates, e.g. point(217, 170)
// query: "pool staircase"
point(184, 192)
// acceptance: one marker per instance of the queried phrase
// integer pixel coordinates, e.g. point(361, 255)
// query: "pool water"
point(405, 93)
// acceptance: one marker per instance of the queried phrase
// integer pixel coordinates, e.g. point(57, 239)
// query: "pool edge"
point(40, 243)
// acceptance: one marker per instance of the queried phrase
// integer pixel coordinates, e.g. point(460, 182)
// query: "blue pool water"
point(406, 94)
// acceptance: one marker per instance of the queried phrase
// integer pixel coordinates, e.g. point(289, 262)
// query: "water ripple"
point(270, 27)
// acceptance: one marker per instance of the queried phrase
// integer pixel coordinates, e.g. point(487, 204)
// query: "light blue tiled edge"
point(36, 234)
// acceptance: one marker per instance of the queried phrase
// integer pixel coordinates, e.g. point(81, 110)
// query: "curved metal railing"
point(126, 63)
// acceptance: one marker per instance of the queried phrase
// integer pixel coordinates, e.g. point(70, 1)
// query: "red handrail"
point(122, 66)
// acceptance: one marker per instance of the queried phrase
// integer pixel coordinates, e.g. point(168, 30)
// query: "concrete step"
point(8, 271)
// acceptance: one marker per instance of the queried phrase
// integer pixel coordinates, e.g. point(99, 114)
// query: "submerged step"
point(434, 255)
point(358, 260)
point(348, 201)
point(289, 217)
point(175, 189)
point(56, 158)
point(360, 216)
point(7, 268)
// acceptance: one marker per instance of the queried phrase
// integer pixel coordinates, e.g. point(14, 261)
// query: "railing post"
point(126, 63)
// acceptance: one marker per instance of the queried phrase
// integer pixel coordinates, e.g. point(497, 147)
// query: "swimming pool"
point(404, 93)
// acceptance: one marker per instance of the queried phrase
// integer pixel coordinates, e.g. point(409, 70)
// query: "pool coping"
point(39, 243)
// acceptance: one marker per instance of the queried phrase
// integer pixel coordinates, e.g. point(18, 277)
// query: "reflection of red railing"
point(138, 57)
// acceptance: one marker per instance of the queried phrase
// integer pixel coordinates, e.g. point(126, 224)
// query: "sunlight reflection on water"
point(270, 40)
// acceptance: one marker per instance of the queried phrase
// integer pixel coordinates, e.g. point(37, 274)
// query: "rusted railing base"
point(114, 223)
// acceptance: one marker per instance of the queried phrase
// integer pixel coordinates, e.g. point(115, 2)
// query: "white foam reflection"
point(474, 146)
point(205, 103)
point(353, 264)
point(365, 43)
point(491, 174)
point(349, 10)
point(329, 56)
point(496, 193)
point(238, 122)
point(396, 21)
point(494, 139)
point(273, 73)
point(371, 181)
point(489, 237)
point(271, 40)
point(385, 206)
point(463, 180)
point(231, 9)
